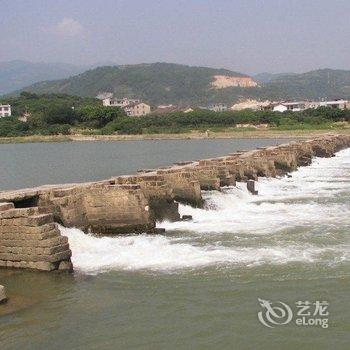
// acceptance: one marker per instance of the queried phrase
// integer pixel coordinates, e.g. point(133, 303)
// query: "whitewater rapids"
point(299, 219)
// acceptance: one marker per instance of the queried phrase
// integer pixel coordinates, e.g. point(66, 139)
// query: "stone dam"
point(29, 218)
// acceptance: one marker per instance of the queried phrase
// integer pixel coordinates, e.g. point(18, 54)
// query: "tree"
point(99, 116)
point(125, 125)
point(59, 115)
point(10, 126)
point(28, 95)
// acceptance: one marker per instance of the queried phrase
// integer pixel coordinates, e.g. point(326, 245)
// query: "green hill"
point(322, 83)
point(156, 83)
point(162, 83)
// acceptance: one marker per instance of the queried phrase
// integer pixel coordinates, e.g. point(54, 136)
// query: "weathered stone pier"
point(29, 218)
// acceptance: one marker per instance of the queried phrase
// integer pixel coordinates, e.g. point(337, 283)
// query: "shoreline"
point(248, 134)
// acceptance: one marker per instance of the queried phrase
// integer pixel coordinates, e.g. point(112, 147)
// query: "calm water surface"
point(197, 286)
point(33, 164)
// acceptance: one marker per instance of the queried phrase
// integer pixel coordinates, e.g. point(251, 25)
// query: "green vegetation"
point(57, 114)
point(326, 83)
point(10, 127)
point(157, 83)
point(54, 114)
point(202, 120)
point(35, 103)
point(162, 83)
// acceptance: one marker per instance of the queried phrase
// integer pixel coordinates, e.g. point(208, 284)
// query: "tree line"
point(53, 114)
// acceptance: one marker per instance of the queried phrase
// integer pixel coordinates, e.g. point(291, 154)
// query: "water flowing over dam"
point(203, 197)
point(306, 204)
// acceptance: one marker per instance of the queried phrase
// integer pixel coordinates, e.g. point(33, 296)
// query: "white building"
point(279, 108)
point(5, 111)
point(302, 105)
point(217, 107)
point(290, 106)
point(341, 104)
point(118, 102)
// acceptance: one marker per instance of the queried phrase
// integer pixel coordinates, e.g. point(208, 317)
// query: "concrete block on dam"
point(184, 183)
point(101, 206)
point(32, 240)
point(158, 193)
point(113, 209)
point(212, 174)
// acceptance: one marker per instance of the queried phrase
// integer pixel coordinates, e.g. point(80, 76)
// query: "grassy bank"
point(226, 134)
point(35, 138)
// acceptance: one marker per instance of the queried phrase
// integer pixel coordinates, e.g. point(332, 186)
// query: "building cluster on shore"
point(132, 107)
point(300, 106)
point(278, 106)
point(294, 106)
point(138, 108)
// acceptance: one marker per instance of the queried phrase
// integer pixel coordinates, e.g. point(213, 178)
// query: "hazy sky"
point(250, 36)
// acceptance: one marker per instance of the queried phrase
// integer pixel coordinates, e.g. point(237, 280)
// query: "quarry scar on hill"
point(29, 218)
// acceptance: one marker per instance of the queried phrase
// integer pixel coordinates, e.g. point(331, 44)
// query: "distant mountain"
point(15, 75)
point(165, 83)
point(157, 83)
point(317, 84)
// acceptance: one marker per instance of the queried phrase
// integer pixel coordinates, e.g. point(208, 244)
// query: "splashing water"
point(298, 219)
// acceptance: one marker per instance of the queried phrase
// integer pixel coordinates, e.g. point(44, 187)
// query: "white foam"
point(305, 199)
point(95, 255)
point(240, 229)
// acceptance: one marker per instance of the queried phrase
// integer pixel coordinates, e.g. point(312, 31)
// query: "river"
point(197, 286)
point(34, 164)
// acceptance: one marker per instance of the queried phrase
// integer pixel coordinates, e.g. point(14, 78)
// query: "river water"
point(34, 164)
point(198, 286)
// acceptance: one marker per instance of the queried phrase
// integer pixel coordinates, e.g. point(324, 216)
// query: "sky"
point(249, 36)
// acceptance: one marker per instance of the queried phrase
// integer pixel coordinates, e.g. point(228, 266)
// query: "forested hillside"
point(162, 83)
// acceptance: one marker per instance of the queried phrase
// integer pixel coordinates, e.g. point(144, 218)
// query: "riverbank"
point(194, 135)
